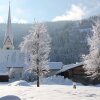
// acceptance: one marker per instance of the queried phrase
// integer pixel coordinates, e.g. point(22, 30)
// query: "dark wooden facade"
point(78, 74)
point(4, 78)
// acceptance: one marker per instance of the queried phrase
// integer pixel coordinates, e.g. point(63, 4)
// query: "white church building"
point(10, 59)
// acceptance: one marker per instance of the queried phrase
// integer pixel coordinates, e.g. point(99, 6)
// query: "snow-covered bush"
point(29, 75)
point(15, 73)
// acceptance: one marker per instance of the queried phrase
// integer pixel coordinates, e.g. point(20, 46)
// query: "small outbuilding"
point(74, 72)
point(77, 73)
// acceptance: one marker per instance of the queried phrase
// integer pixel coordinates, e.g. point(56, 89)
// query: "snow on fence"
point(55, 80)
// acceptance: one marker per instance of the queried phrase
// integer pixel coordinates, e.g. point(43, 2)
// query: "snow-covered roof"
point(70, 66)
point(55, 65)
point(11, 58)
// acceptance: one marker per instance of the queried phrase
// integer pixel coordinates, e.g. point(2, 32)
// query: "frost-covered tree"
point(37, 46)
point(92, 60)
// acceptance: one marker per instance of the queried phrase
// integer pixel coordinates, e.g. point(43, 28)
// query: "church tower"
point(8, 39)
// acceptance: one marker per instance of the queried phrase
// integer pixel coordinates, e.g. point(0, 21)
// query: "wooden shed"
point(76, 73)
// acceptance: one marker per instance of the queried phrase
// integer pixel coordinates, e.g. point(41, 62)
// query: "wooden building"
point(76, 73)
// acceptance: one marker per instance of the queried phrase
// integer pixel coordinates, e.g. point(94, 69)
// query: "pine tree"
point(92, 60)
point(37, 46)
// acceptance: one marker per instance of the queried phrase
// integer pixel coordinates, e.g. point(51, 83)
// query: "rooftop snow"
point(70, 66)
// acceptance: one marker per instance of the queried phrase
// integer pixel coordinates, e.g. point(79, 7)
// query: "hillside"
point(68, 38)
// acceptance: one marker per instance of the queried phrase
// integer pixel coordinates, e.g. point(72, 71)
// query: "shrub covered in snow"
point(15, 73)
point(28, 76)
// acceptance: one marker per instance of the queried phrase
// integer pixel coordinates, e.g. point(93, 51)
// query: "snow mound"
point(98, 85)
point(55, 80)
point(10, 97)
point(19, 83)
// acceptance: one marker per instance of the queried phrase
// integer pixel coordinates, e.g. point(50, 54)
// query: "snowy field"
point(55, 90)
point(52, 92)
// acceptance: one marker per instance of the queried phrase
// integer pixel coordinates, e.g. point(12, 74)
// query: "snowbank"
point(19, 83)
point(55, 80)
point(98, 85)
point(10, 97)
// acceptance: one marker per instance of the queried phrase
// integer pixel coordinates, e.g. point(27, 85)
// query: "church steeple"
point(8, 40)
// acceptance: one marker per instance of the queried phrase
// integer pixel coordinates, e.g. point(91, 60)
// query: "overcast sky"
point(25, 11)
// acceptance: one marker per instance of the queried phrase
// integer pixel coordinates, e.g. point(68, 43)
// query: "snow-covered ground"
point(50, 90)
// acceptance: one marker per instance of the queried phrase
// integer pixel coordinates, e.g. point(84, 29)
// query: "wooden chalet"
point(76, 73)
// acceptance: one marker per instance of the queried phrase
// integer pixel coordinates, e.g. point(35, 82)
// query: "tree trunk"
point(38, 72)
point(38, 81)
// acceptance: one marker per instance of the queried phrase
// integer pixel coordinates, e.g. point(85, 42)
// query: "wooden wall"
point(4, 78)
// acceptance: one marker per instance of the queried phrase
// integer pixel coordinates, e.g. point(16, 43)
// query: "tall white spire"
point(8, 35)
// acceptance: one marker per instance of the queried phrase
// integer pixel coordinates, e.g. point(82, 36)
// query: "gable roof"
point(70, 66)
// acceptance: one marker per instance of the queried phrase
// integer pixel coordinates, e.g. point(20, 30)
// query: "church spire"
point(8, 41)
point(9, 30)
